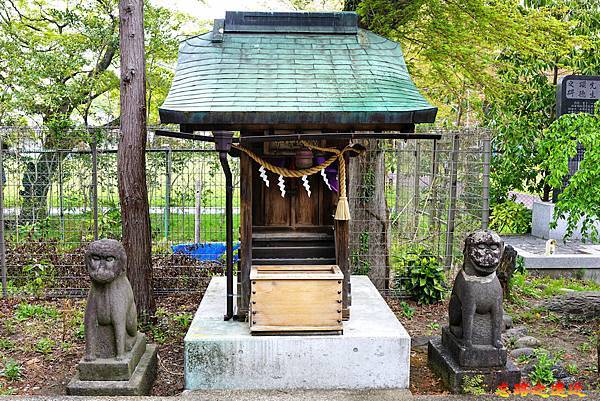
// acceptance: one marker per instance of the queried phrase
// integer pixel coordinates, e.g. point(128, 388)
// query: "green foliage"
point(522, 114)
point(407, 311)
point(360, 255)
point(109, 222)
point(59, 57)
point(452, 47)
point(572, 368)
point(44, 345)
point(473, 385)
point(542, 369)
point(12, 370)
point(183, 319)
point(425, 279)
point(580, 199)
point(510, 217)
point(6, 390)
point(584, 347)
point(6, 344)
point(38, 275)
point(26, 311)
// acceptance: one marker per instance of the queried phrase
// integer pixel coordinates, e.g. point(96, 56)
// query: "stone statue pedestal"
point(444, 354)
point(479, 355)
point(133, 375)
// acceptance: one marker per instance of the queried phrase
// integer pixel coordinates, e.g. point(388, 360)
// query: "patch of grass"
point(26, 311)
point(12, 370)
point(584, 347)
point(9, 326)
point(572, 368)
point(526, 285)
point(6, 344)
point(542, 369)
point(6, 390)
point(407, 311)
point(44, 346)
point(183, 319)
point(524, 358)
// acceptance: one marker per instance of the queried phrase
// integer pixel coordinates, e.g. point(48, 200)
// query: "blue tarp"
point(211, 251)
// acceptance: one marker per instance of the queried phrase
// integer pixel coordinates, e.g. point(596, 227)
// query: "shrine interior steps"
point(293, 248)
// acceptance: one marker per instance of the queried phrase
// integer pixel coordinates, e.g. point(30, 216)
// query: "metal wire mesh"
point(60, 193)
point(57, 200)
point(417, 194)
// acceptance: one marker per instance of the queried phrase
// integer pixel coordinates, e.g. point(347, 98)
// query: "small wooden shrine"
point(298, 87)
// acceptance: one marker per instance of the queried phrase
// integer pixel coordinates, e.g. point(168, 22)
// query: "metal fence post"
point(417, 190)
point(485, 205)
point(398, 165)
point(95, 184)
point(167, 213)
point(452, 204)
point(61, 205)
point(2, 243)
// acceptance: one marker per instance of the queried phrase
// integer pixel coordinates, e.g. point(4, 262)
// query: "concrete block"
point(542, 216)
point(442, 363)
point(140, 382)
point(373, 352)
point(110, 368)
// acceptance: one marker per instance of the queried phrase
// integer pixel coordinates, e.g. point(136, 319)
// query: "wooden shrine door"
point(296, 210)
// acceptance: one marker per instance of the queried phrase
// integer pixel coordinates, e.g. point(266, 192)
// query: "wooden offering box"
point(296, 298)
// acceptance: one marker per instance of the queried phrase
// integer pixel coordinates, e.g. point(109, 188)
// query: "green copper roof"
point(239, 79)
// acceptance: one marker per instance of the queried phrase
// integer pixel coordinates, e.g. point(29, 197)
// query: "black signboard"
point(577, 94)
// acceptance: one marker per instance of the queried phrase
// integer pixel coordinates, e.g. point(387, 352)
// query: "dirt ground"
point(41, 341)
point(572, 342)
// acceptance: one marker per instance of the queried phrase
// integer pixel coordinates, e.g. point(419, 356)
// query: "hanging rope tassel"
point(343, 208)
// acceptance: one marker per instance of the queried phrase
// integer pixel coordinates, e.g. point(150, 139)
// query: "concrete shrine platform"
point(373, 352)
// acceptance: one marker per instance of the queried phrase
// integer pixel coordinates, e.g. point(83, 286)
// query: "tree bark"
point(369, 224)
point(131, 163)
point(506, 269)
point(583, 305)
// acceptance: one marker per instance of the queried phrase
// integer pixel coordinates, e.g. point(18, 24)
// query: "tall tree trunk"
point(131, 163)
point(369, 224)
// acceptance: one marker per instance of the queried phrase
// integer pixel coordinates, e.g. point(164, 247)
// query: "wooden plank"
point(296, 251)
point(300, 268)
point(245, 252)
point(293, 261)
point(296, 272)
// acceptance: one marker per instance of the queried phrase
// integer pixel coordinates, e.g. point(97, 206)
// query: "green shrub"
point(12, 370)
point(542, 369)
point(424, 276)
point(38, 275)
point(510, 217)
point(407, 311)
point(6, 344)
point(44, 346)
point(26, 311)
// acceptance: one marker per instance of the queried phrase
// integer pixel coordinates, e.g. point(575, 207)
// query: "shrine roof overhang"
point(300, 71)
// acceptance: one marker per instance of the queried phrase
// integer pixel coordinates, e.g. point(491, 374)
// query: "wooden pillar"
point(342, 253)
point(245, 252)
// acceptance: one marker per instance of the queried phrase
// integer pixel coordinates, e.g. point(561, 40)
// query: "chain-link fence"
point(60, 193)
point(417, 196)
